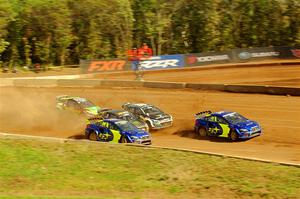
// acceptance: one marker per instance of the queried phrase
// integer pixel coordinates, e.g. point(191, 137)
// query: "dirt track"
point(287, 75)
point(32, 111)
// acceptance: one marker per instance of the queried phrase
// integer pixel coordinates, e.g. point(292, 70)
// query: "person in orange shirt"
point(145, 51)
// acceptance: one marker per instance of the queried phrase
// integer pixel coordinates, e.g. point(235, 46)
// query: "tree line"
point(62, 32)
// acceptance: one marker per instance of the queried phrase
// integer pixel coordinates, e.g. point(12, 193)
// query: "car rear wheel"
point(233, 136)
point(202, 132)
point(93, 136)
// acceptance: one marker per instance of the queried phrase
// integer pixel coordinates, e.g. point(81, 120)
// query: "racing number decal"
point(106, 136)
point(214, 130)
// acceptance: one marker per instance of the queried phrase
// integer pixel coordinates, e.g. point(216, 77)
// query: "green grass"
point(36, 169)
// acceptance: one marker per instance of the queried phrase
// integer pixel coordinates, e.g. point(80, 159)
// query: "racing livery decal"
point(226, 124)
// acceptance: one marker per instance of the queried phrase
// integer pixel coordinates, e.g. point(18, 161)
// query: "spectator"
point(145, 51)
point(133, 54)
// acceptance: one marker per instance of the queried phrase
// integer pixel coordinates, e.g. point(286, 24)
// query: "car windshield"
point(235, 118)
point(151, 110)
point(85, 103)
point(126, 126)
point(126, 116)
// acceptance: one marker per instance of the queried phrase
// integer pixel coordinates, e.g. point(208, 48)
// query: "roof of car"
point(116, 111)
point(66, 97)
point(112, 120)
point(79, 99)
point(222, 113)
point(138, 104)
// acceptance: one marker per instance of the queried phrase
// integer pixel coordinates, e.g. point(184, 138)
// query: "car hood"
point(93, 110)
point(158, 116)
point(138, 124)
point(138, 133)
point(249, 124)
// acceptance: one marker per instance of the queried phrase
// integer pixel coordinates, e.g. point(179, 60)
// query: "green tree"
point(6, 15)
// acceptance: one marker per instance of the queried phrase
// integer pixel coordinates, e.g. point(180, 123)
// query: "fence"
point(191, 60)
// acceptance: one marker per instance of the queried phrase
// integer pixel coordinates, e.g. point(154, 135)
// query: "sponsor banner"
point(288, 52)
point(94, 66)
point(207, 58)
point(160, 62)
point(242, 55)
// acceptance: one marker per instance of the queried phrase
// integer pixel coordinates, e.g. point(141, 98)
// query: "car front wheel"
point(233, 136)
point(93, 136)
point(124, 140)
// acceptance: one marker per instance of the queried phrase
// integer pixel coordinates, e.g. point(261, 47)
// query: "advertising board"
point(93, 66)
point(160, 62)
point(198, 59)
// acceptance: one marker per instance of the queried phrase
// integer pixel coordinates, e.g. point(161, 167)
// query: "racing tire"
point(93, 136)
point(124, 140)
point(149, 125)
point(233, 136)
point(202, 132)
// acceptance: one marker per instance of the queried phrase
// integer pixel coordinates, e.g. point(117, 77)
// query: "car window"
point(138, 111)
point(105, 115)
point(112, 126)
point(221, 120)
point(112, 115)
point(72, 104)
point(130, 109)
point(102, 123)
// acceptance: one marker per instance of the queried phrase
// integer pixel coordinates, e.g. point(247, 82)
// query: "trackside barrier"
point(273, 90)
point(6, 82)
point(172, 85)
point(245, 89)
point(35, 82)
point(68, 140)
point(282, 90)
point(78, 83)
point(121, 83)
point(219, 87)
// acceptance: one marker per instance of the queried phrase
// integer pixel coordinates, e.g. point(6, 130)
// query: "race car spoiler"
point(203, 113)
point(94, 118)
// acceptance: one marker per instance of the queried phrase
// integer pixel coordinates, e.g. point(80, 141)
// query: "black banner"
point(247, 54)
point(288, 52)
point(207, 58)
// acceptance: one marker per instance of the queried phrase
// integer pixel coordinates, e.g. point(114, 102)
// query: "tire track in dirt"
point(32, 111)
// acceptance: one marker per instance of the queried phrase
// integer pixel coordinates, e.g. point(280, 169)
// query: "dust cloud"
point(35, 113)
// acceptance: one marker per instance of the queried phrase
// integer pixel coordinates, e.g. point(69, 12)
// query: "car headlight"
point(134, 137)
point(156, 122)
point(244, 130)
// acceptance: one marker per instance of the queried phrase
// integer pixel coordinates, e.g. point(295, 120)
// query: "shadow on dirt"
point(78, 137)
point(191, 134)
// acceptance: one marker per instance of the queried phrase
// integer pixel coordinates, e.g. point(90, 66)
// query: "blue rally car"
point(115, 130)
point(226, 124)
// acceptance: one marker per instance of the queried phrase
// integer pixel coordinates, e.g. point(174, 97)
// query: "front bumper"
point(250, 135)
point(145, 142)
point(163, 125)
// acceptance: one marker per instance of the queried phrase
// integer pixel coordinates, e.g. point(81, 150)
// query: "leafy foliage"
point(65, 31)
